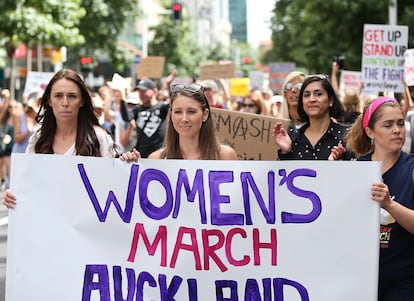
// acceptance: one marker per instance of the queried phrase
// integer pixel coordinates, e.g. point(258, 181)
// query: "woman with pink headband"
point(378, 135)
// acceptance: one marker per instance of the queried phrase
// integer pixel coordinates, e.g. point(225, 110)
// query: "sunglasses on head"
point(319, 76)
point(191, 87)
point(290, 86)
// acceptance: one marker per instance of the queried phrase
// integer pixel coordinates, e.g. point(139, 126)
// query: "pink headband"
point(374, 106)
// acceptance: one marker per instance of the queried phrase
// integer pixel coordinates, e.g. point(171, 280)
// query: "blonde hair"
point(284, 110)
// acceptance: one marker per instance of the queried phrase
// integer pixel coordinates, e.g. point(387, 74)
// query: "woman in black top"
point(321, 137)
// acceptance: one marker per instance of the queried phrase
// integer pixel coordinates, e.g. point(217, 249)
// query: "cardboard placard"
point(215, 71)
point(249, 134)
point(151, 66)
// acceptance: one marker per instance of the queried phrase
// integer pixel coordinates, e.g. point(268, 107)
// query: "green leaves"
point(310, 33)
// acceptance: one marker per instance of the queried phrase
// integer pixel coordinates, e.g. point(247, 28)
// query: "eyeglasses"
point(290, 86)
point(191, 87)
point(249, 105)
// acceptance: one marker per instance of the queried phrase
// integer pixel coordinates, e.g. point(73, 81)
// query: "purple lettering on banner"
point(215, 178)
point(198, 188)
point(144, 277)
point(288, 217)
point(252, 291)
point(118, 296)
point(192, 289)
point(168, 293)
point(248, 181)
point(102, 285)
point(125, 214)
point(232, 285)
point(147, 207)
point(278, 284)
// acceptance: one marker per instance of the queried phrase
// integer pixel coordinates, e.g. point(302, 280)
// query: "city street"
point(3, 249)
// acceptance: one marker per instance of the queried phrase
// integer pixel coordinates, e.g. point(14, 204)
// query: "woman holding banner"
point(378, 135)
point(321, 137)
point(190, 130)
point(69, 125)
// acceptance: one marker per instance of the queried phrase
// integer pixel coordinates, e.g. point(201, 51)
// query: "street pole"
point(392, 12)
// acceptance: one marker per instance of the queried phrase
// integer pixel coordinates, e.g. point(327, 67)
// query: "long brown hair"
point(208, 141)
point(87, 143)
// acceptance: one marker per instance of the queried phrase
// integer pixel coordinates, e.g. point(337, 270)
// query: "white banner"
point(88, 228)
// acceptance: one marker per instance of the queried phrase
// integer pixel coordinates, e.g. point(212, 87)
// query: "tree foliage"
point(311, 33)
point(172, 39)
point(77, 24)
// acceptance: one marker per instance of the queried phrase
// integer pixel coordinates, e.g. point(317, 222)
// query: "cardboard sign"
point(191, 230)
point(152, 67)
point(215, 71)
point(249, 134)
point(383, 51)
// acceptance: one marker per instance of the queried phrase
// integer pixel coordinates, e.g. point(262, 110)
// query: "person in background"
point(215, 100)
point(408, 108)
point(69, 125)
point(98, 107)
point(291, 88)
point(352, 106)
point(378, 135)
point(252, 103)
point(190, 130)
point(6, 138)
point(149, 117)
point(276, 105)
point(163, 95)
point(320, 137)
point(24, 121)
point(129, 130)
point(109, 114)
point(118, 84)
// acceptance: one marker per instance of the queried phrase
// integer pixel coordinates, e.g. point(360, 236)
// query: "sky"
point(258, 20)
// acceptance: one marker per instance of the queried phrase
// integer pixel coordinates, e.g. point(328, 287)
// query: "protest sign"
point(151, 66)
point(36, 80)
point(239, 86)
point(383, 50)
point(278, 73)
point(350, 80)
point(409, 67)
point(250, 135)
point(216, 71)
point(88, 228)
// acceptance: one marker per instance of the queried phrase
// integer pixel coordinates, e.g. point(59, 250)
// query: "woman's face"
point(292, 90)
point(389, 129)
point(248, 106)
point(316, 102)
point(187, 116)
point(65, 100)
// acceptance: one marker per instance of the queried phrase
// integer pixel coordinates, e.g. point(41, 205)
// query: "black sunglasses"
point(290, 86)
point(196, 88)
point(249, 105)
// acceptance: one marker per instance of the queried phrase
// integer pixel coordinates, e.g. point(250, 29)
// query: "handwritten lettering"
point(170, 207)
point(98, 281)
